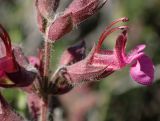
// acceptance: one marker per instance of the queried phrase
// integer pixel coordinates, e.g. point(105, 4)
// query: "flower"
point(14, 67)
point(101, 63)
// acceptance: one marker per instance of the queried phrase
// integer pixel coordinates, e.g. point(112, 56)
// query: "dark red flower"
point(14, 67)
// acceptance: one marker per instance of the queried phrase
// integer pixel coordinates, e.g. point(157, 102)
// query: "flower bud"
point(60, 27)
point(73, 54)
point(47, 8)
point(82, 9)
point(78, 11)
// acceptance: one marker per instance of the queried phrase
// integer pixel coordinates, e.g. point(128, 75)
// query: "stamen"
point(124, 19)
point(106, 33)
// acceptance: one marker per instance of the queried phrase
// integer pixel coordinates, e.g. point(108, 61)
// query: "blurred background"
point(117, 97)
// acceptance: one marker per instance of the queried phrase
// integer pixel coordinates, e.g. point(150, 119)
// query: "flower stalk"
point(47, 53)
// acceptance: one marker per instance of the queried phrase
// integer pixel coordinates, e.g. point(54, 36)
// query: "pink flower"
point(101, 63)
point(14, 67)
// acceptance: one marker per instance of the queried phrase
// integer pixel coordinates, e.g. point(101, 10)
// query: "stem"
point(44, 111)
point(47, 51)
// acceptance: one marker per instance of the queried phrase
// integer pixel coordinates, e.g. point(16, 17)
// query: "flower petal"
point(120, 48)
point(25, 73)
point(135, 53)
point(7, 64)
point(1, 73)
point(143, 70)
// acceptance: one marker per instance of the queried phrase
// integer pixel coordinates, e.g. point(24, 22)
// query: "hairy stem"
point(47, 52)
